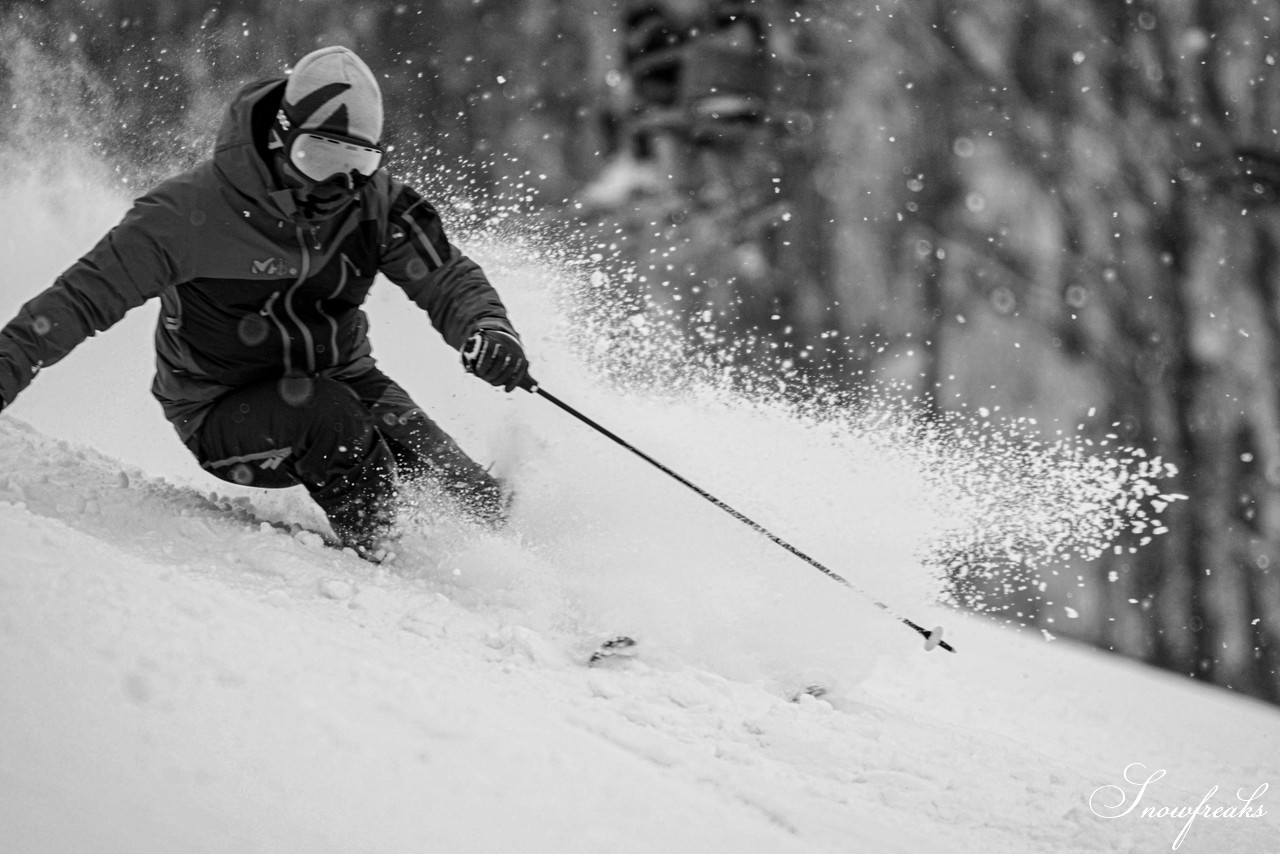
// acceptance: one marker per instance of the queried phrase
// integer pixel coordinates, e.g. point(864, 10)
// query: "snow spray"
point(598, 548)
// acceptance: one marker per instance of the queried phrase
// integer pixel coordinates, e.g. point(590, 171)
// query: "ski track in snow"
point(181, 678)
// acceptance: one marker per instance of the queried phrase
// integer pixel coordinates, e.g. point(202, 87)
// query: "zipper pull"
point(315, 237)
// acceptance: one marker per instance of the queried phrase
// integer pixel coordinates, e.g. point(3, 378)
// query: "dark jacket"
point(247, 293)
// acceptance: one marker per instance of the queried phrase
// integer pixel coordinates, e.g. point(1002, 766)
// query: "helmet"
point(330, 121)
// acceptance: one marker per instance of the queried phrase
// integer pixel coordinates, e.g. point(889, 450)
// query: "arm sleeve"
point(125, 269)
point(449, 286)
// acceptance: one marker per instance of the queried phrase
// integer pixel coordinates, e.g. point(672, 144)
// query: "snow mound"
point(180, 676)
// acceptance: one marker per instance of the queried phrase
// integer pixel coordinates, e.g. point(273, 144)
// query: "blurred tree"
point(1106, 155)
point(1041, 209)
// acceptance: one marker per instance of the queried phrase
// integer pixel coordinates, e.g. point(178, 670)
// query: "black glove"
point(497, 358)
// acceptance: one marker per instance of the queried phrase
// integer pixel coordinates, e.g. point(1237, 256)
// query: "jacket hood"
point(239, 155)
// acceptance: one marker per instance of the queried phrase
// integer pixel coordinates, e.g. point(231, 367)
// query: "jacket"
point(249, 290)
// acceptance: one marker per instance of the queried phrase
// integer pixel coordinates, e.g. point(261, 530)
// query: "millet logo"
point(271, 267)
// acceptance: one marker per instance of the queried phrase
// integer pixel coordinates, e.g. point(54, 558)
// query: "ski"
point(620, 646)
point(815, 690)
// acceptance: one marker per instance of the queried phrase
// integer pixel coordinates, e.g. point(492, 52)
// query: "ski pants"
point(348, 442)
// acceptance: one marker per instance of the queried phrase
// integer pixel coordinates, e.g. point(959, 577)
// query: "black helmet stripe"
point(302, 111)
point(339, 122)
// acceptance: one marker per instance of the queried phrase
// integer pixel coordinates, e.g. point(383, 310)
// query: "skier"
point(262, 256)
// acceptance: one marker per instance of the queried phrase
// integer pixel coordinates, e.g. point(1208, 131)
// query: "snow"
point(179, 677)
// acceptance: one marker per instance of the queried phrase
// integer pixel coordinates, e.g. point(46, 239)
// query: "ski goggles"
point(321, 156)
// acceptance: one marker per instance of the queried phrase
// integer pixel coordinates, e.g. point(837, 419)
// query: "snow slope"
point(178, 677)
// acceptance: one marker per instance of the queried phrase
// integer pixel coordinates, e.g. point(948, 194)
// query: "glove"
point(497, 358)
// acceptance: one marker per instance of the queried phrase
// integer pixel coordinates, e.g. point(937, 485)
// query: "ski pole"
point(933, 638)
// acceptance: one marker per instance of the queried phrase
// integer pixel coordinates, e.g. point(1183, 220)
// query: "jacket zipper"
point(307, 341)
point(284, 333)
point(333, 324)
